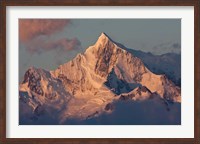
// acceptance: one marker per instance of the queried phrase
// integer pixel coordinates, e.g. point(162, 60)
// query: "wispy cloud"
point(173, 47)
point(32, 28)
point(176, 45)
point(38, 35)
point(62, 45)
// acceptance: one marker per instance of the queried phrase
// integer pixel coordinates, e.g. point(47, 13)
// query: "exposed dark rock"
point(50, 96)
point(109, 107)
point(93, 115)
point(144, 89)
point(39, 110)
point(122, 97)
point(106, 57)
point(33, 79)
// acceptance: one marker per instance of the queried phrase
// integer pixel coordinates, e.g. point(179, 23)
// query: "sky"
point(47, 43)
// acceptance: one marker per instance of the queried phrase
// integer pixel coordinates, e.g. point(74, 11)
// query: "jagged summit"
point(103, 38)
point(105, 41)
point(103, 35)
point(104, 44)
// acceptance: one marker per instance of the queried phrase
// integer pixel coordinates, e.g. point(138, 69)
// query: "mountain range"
point(92, 83)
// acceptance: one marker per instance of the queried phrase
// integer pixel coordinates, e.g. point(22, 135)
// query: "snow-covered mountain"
point(168, 64)
point(86, 86)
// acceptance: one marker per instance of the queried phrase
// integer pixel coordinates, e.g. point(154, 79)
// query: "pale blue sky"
point(157, 36)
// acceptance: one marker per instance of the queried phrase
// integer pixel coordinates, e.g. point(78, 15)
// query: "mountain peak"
point(103, 34)
point(103, 38)
point(104, 44)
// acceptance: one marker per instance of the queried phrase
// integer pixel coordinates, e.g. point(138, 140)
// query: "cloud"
point(38, 35)
point(32, 28)
point(173, 47)
point(176, 45)
point(65, 44)
point(62, 45)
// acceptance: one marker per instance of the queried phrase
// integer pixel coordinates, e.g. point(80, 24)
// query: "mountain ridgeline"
point(90, 85)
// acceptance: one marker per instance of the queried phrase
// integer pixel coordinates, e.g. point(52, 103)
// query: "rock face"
point(86, 86)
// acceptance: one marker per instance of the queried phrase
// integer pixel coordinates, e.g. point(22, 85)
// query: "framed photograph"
point(99, 71)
